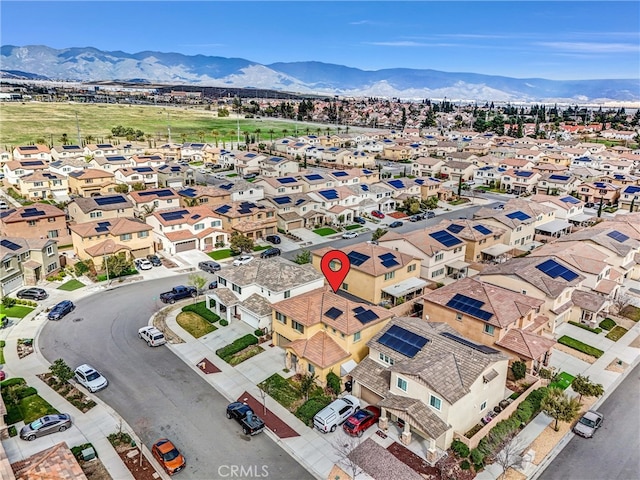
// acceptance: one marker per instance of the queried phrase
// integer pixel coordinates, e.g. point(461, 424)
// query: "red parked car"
point(357, 423)
point(377, 214)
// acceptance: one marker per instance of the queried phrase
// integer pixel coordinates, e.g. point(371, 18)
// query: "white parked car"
point(90, 378)
point(349, 235)
point(242, 260)
point(143, 264)
point(152, 336)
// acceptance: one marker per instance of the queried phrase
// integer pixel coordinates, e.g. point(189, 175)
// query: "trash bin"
point(348, 385)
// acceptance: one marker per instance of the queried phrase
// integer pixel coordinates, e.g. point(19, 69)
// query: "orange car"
point(168, 455)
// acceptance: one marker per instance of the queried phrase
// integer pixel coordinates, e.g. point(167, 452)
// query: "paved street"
point(152, 389)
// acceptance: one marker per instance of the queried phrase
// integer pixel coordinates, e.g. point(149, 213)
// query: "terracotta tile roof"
point(150, 194)
point(192, 216)
point(311, 308)
point(46, 211)
point(28, 149)
point(258, 305)
point(599, 235)
point(320, 349)
point(417, 412)
point(373, 375)
point(114, 226)
point(421, 240)
point(226, 296)
point(215, 193)
point(107, 247)
point(377, 462)
point(579, 255)
point(89, 204)
point(41, 176)
point(468, 231)
point(589, 300)
point(178, 235)
point(275, 274)
point(54, 463)
point(91, 173)
point(515, 204)
point(506, 305)
point(373, 265)
point(526, 344)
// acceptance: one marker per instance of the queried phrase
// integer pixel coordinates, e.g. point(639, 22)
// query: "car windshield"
point(349, 425)
point(587, 422)
point(93, 376)
point(36, 425)
point(170, 455)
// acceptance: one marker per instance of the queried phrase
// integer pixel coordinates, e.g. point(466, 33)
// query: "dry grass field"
point(25, 122)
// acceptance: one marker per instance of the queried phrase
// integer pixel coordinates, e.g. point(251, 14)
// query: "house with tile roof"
point(358, 158)
point(90, 182)
point(152, 160)
point(430, 380)
point(193, 152)
point(188, 228)
point(313, 181)
point(596, 192)
point(480, 238)
point(195, 195)
point(630, 198)
point(67, 151)
point(427, 167)
point(247, 292)
point(15, 169)
point(66, 165)
point(254, 220)
point(43, 184)
point(402, 187)
point(519, 182)
point(621, 179)
point(26, 261)
point(100, 150)
point(457, 169)
point(441, 252)
point(170, 151)
point(247, 162)
point(494, 316)
point(273, 166)
point(131, 176)
point(99, 239)
point(147, 201)
point(110, 163)
point(32, 152)
point(56, 462)
point(378, 275)
point(323, 332)
point(297, 211)
point(567, 207)
point(39, 220)
point(86, 209)
point(284, 185)
point(173, 175)
point(337, 202)
point(489, 175)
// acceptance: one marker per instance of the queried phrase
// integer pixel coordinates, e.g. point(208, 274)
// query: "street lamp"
point(107, 243)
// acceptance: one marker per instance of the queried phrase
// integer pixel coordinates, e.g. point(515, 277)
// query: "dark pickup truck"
point(251, 423)
point(178, 293)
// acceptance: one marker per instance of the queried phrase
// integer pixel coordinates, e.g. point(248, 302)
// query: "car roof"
point(85, 367)
point(63, 303)
point(164, 445)
point(591, 415)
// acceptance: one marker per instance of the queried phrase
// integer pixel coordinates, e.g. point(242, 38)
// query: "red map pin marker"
point(335, 277)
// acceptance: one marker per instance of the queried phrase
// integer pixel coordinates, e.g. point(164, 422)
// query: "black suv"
point(209, 266)
point(61, 309)
point(275, 239)
point(155, 260)
point(270, 252)
point(32, 294)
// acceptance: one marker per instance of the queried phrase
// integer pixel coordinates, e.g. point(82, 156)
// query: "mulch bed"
point(139, 472)
point(397, 215)
point(207, 367)
point(272, 422)
point(420, 465)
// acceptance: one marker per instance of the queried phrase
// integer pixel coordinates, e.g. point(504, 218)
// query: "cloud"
point(586, 47)
point(362, 22)
point(409, 43)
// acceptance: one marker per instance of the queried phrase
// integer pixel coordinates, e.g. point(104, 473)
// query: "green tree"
point(307, 383)
point(303, 257)
point(583, 386)
point(519, 370)
point(559, 406)
point(118, 264)
point(61, 370)
point(223, 113)
point(198, 281)
point(240, 243)
point(378, 233)
point(121, 188)
point(138, 186)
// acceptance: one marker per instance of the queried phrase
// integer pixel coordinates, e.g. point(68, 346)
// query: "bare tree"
point(264, 391)
point(619, 302)
point(343, 447)
point(510, 453)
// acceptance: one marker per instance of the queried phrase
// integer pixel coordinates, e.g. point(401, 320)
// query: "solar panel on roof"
point(553, 269)
point(521, 173)
point(109, 200)
point(358, 310)
point(115, 158)
point(223, 209)
point(518, 215)
point(29, 147)
point(357, 258)
point(104, 145)
point(365, 188)
point(445, 238)
point(299, 201)
point(175, 215)
point(244, 211)
point(366, 172)
point(227, 186)
point(70, 147)
point(419, 181)
point(329, 194)
point(482, 229)
point(618, 236)
point(282, 200)
point(464, 341)
point(600, 184)
point(340, 174)
point(563, 178)
point(143, 169)
point(469, 305)
point(367, 316)
point(313, 177)
point(333, 313)
point(390, 263)
point(455, 228)
point(189, 192)
point(403, 341)
point(632, 189)
point(570, 199)
point(31, 212)
point(10, 245)
point(396, 183)
point(287, 180)
point(31, 163)
point(195, 217)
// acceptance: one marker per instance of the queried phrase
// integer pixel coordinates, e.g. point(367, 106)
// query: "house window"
point(95, 214)
point(52, 234)
point(52, 219)
point(49, 250)
point(345, 286)
point(356, 337)
point(459, 317)
point(236, 288)
point(457, 249)
point(143, 234)
point(389, 275)
point(488, 329)
point(439, 257)
point(483, 405)
point(125, 237)
point(7, 266)
point(437, 273)
point(311, 369)
point(402, 384)
point(435, 402)
point(411, 268)
point(297, 326)
point(287, 294)
point(281, 318)
point(31, 223)
point(386, 359)
point(198, 226)
point(216, 224)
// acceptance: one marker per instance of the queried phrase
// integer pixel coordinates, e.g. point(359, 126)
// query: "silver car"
point(90, 378)
point(588, 424)
point(45, 425)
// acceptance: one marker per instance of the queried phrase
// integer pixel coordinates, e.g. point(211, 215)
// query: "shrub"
point(514, 395)
point(460, 449)
point(13, 415)
point(585, 327)
point(580, 346)
point(524, 411)
point(465, 465)
point(477, 457)
point(224, 322)
point(119, 438)
point(519, 370)
point(237, 345)
point(80, 268)
point(201, 309)
point(607, 324)
point(308, 409)
point(8, 302)
point(61, 370)
point(334, 383)
point(12, 381)
point(77, 450)
point(24, 392)
point(13, 431)
point(2, 343)
point(535, 398)
point(258, 332)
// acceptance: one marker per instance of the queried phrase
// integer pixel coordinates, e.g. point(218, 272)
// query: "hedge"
point(308, 409)
point(580, 346)
point(237, 345)
point(201, 309)
point(585, 327)
point(334, 382)
point(607, 324)
point(13, 381)
point(25, 392)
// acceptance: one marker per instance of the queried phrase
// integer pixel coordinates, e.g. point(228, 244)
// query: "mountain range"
point(90, 64)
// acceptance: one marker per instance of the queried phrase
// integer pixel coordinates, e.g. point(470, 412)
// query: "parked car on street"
point(416, 218)
point(270, 252)
point(275, 239)
point(242, 260)
point(90, 378)
point(209, 266)
point(178, 293)
point(32, 293)
point(359, 220)
point(152, 336)
point(45, 425)
point(588, 424)
point(61, 309)
point(349, 235)
point(357, 423)
point(242, 413)
point(168, 456)
point(396, 224)
point(155, 260)
point(430, 214)
point(143, 264)
point(377, 214)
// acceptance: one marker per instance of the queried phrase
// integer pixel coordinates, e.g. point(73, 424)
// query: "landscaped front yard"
point(220, 254)
point(616, 333)
point(71, 285)
point(195, 324)
point(17, 311)
point(23, 402)
point(580, 346)
point(562, 381)
point(632, 312)
point(240, 350)
point(324, 231)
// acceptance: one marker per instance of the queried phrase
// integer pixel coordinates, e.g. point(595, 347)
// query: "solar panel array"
point(403, 341)
point(455, 228)
point(445, 238)
point(340, 174)
point(365, 188)
point(521, 173)
point(115, 158)
point(367, 316)
point(357, 258)
point(287, 180)
point(226, 186)
point(632, 189)
point(313, 177)
point(104, 145)
point(282, 200)
point(553, 269)
point(195, 217)
point(570, 199)
point(10, 245)
point(366, 172)
point(329, 194)
point(157, 193)
point(31, 212)
point(470, 306)
point(174, 215)
point(358, 310)
point(143, 169)
point(112, 200)
point(464, 341)
point(223, 209)
point(518, 215)
point(419, 181)
point(188, 192)
point(396, 183)
point(70, 147)
point(482, 229)
point(103, 227)
point(388, 260)
point(600, 184)
point(618, 236)
point(333, 313)
point(29, 148)
point(299, 201)
point(32, 163)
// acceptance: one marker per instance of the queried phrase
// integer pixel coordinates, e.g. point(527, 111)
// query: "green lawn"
point(580, 346)
point(201, 309)
point(607, 324)
point(324, 231)
point(2, 344)
point(232, 175)
point(34, 407)
point(562, 381)
point(220, 254)
point(258, 248)
point(355, 226)
point(71, 285)
point(616, 333)
point(281, 390)
point(17, 311)
point(195, 324)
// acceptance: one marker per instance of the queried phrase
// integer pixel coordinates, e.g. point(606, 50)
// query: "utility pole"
point(78, 129)
point(169, 127)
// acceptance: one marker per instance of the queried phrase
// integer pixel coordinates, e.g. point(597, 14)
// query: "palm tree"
point(215, 134)
point(88, 138)
point(201, 135)
point(64, 138)
point(284, 132)
point(271, 132)
point(183, 137)
point(257, 132)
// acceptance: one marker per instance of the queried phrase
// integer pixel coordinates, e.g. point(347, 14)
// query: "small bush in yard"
point(201, 309)
point(519, 370)
point(460, 448)
point(607, 324)
point(465, 465)
point(308, 409)
point(334, 382)
point(224, 322)
point(258, 332)
point(13, 381)
point(477, 457)
point(13, 431)
point(237, 345)
point(25, 392)
point(524, 411)
point(535, 398)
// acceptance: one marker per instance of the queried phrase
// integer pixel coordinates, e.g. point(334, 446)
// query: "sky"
point(557, 40)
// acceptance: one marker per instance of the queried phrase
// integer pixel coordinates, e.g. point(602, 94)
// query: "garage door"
point(296, 224)
point(282, 341)
point(368, 396)
point(11, 285)
point(184, 246)
point(139, 253)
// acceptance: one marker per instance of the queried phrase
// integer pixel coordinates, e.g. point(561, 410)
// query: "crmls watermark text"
point(243, 471)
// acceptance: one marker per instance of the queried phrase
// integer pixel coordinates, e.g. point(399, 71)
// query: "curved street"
point(153, 390)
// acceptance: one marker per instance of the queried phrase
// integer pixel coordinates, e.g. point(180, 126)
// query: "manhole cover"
point(76, 320)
